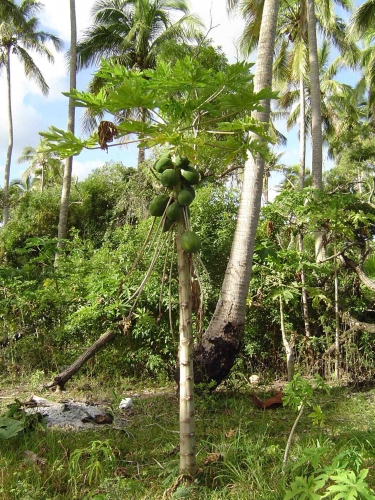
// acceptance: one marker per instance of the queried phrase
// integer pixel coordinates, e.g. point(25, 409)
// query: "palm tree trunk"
point(265, 186)
point(302, 175)
point(142, 150)
point(8, 160)
point(42, 178)
point(302, 135)
point(222, 340)
point(141, 156)
point(67, 180)
point(187, 422)
point(316, 119)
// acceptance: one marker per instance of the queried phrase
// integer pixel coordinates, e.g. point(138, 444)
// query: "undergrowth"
point(240, 450)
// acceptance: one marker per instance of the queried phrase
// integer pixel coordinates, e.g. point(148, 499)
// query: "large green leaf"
point(10, 427)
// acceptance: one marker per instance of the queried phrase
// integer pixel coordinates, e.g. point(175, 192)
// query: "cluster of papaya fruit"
point(180, 176)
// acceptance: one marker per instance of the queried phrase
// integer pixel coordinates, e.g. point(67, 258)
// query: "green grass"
point(240, 449)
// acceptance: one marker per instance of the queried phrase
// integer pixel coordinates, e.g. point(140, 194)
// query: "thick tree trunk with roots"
point(316, 120)
point(221, 342)
point(187, 421)
point(8, 160)
point(67, 180)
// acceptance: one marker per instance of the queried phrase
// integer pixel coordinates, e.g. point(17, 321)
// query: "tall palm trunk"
point(42, 180)
point(222, 340)
point(316, 119)
point(302, 174)
point(8, 160)
point(141, 156)
point(302, 135)
point(67, 180)
point(142, 150)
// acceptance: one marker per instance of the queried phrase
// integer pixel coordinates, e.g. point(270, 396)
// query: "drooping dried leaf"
point(107, 131)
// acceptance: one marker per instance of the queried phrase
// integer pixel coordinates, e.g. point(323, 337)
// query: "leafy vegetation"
point(160, 258)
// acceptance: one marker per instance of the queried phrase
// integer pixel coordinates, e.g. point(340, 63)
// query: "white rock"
point(126, 403)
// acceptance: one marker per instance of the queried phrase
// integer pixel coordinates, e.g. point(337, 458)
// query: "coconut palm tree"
point(132, 33)
point(67, 179)
point(339, 106)
point(8, 10)
point(18, 38)
point(222, 340)
point(361, 28)
point(19, 187)
point(45, 167)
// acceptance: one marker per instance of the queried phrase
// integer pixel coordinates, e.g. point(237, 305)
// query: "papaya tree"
point(193, 109)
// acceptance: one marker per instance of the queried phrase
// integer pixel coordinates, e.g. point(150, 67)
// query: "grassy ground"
point(240, 449)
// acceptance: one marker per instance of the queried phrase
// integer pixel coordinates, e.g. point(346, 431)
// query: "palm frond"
point(32, 71)
point(362, 19)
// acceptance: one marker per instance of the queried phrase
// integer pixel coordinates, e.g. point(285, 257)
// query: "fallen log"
point(61, 379)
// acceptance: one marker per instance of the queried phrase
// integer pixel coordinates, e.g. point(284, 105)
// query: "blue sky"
point(32, 112)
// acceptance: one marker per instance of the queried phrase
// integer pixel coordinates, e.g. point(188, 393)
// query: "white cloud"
point(56, 16)
point(83, 169)
point(33, 112)
point(226, 31)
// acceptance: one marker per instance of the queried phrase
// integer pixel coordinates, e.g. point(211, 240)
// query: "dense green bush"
point(61, 310)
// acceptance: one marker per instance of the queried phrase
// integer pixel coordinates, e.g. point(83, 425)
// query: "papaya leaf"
point(10, 427)
point(304, 488)
point(65, 143)
point(349, 486)
point(312, 455)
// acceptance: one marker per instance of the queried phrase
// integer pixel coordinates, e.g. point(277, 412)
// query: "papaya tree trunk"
point(187, 421)
point(221, 342)
point(8, 160)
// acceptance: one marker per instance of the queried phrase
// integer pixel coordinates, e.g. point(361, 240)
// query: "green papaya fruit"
point(182, 161)
point(190, 175)
point(169, 178)
point(163, 163)
point(186, 186)
point(185, 197)
point(190, 242)
point(167, 225)
point(174, 211)
point(158, 205)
